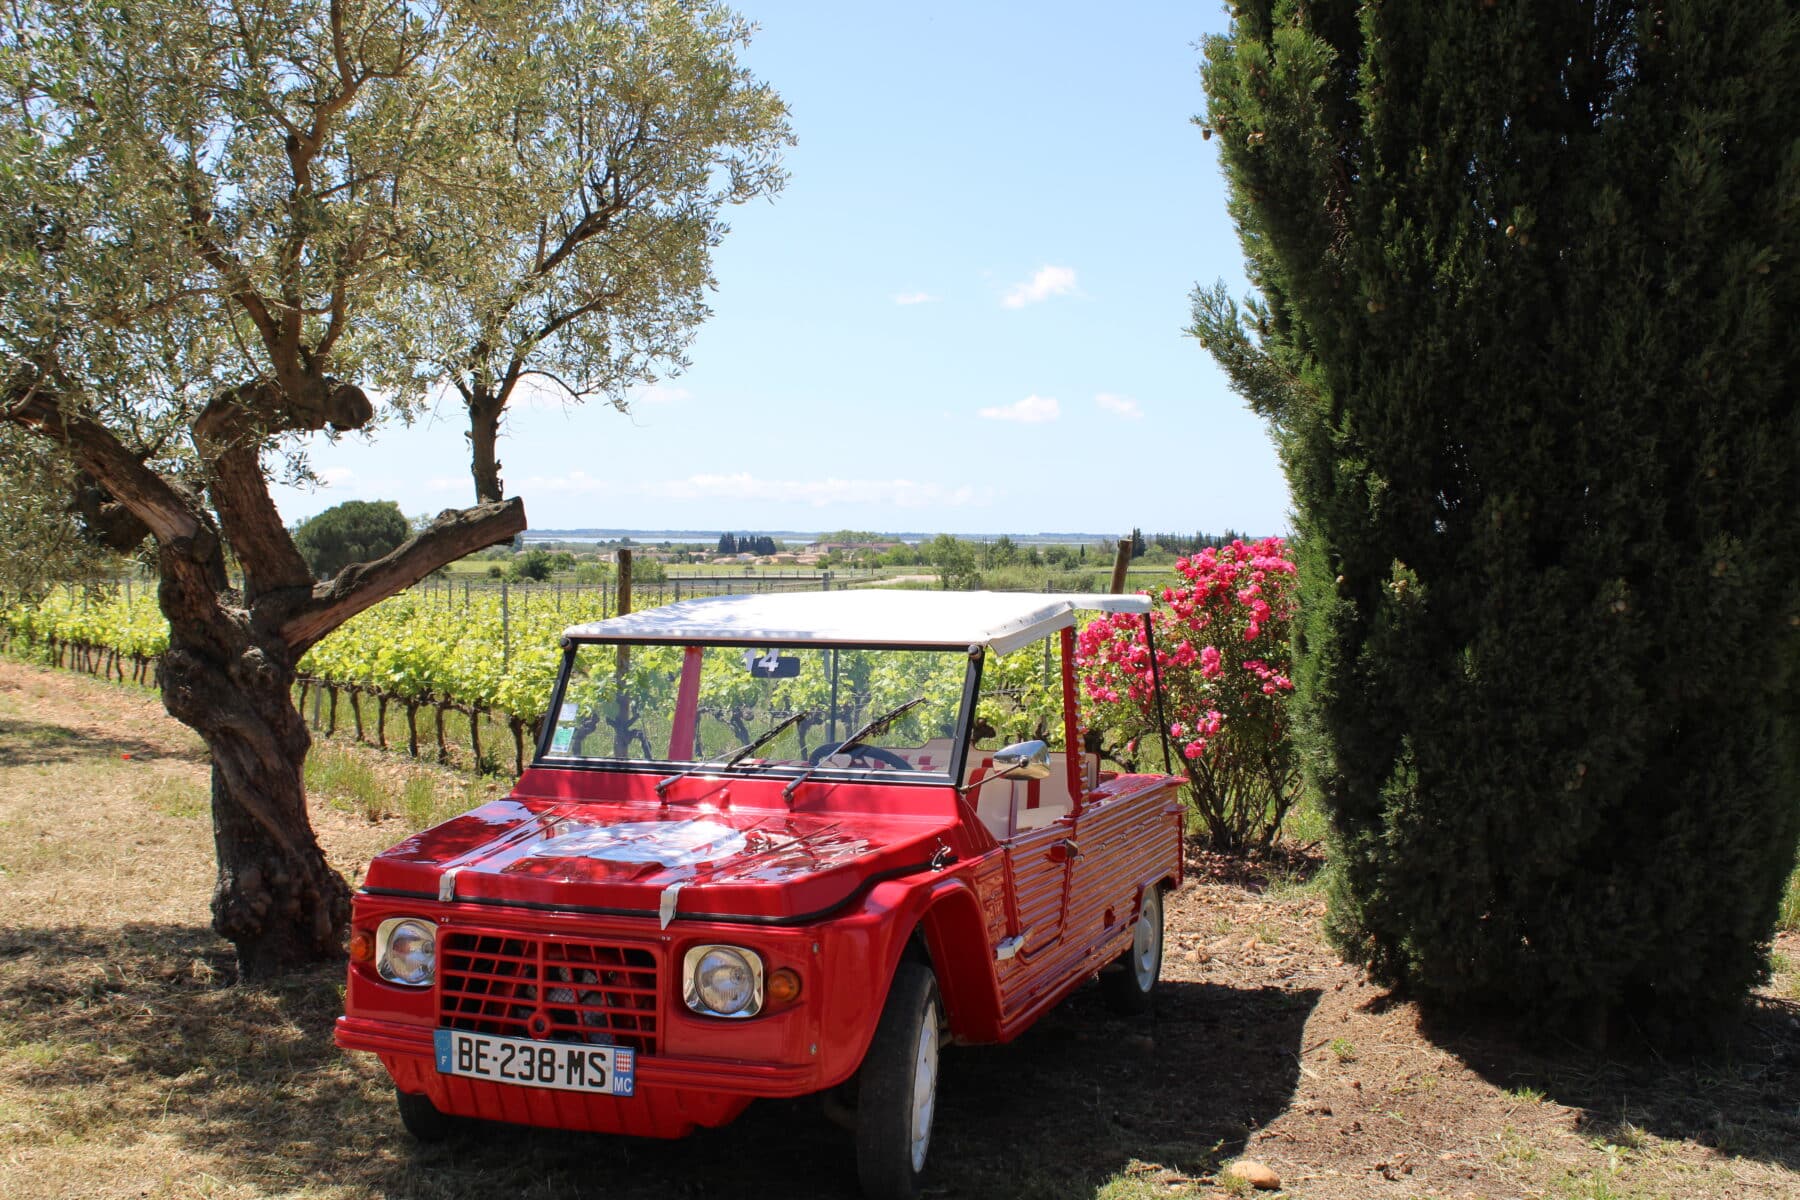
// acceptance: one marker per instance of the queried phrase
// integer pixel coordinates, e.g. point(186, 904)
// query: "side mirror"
point(1022, 760)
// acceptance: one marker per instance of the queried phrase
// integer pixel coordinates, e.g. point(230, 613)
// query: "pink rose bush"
point(1222, 649)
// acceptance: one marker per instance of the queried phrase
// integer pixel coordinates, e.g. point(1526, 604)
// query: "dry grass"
point(132, 1065)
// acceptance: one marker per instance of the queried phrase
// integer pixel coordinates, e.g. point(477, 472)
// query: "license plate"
point(569, 1066)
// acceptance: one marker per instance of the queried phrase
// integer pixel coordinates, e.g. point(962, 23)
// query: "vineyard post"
point(505, 630)
point(619, 730)
point(1121, 563)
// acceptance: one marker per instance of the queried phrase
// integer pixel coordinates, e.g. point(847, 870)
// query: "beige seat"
point(1006, 807)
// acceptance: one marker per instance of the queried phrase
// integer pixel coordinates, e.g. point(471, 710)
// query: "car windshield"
point(682, 705)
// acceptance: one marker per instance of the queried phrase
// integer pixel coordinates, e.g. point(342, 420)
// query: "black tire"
point(1130, 984)
point(890, 1150)
point(422, 1118)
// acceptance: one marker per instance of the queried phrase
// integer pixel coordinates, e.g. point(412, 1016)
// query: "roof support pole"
point(1162, 719)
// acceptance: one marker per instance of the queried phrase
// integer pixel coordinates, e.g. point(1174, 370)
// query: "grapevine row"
point(419, 649)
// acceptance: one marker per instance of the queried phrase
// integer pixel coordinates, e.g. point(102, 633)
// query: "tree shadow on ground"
point(144, 1022)
point(1741, 1098)
point(40, 743)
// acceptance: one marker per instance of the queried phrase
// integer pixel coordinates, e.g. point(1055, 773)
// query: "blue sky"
point(963, 313)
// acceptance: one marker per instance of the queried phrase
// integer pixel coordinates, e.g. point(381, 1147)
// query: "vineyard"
point(469, 660)
point(476, 664)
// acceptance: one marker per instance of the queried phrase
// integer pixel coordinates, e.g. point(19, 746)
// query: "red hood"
point(622, 857)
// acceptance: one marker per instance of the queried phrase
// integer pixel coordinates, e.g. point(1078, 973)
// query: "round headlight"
point(723, 981)
point(406, 951)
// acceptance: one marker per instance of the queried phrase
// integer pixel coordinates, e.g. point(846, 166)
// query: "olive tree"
point(223, 226)
point(595, 204)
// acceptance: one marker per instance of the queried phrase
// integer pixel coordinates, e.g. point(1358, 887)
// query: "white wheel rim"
point(1146, 942)
point(924, 1099)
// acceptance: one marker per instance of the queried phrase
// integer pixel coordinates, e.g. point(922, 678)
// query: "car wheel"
point(422, 1118)
point(898, 1087)
point(1130, 985)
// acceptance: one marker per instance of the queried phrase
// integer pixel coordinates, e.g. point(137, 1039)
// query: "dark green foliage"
point(954, 560)
point(352, 532)
point(1527, 342)
point(533, 564)
point(1183, 543)
point(760, 544)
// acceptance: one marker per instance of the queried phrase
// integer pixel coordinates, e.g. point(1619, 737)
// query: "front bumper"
point(673, 1095)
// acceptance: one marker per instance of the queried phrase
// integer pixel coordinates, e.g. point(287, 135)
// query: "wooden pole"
point(621, 729)
point(1121, 562)
point(624, 591)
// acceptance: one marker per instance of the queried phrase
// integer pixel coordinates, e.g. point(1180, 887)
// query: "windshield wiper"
point(736, 756)
point(874, 726)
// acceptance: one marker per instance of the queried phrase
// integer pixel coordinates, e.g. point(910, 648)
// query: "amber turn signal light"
point(362, 947)
point(783, 986)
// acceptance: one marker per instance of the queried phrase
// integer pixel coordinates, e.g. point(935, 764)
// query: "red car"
point(769, 846)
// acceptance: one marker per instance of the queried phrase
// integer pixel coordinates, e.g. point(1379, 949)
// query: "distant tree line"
point(1184, 543)
point(759, 544)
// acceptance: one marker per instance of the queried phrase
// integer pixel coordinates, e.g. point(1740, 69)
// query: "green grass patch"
point(345, 781)
point(1305, 823)
point(180, 798)
point(1788, 921)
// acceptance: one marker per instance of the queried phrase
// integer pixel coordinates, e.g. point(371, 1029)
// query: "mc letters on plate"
point(569, 1066)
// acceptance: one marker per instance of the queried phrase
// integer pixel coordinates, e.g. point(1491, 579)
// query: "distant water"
point(794, 536)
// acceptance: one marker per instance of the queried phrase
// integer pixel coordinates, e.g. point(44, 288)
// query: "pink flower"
point(1209, 662)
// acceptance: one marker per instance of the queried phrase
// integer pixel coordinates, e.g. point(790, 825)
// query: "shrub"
point(352, 532)
point(1222, 651)
point(1526, 342)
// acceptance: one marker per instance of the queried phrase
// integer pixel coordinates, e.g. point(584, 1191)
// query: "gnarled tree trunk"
point(276, 898)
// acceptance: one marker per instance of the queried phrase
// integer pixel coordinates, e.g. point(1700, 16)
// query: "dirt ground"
point(132, 1065)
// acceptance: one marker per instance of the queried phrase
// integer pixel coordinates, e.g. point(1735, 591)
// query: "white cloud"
point(1048, 282)
point(1032, 410)
point(1123, 406)
point(742, 486)
point(915, 298)
point(335, 475)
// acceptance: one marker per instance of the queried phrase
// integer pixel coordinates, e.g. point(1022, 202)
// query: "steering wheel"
point(887, 757)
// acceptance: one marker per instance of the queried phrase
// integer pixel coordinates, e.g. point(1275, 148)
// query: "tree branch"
point(454, 534)
point(93, 446)
point(252, 524)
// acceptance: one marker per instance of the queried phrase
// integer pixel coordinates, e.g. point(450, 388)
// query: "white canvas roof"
point(1000, 621)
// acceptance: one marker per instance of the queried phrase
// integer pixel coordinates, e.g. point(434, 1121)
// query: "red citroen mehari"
point(769, 846)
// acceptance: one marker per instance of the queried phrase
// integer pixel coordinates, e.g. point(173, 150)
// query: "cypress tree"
point(1526, 341)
